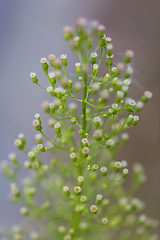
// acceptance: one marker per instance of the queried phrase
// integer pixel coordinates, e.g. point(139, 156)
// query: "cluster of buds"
point(80, 189)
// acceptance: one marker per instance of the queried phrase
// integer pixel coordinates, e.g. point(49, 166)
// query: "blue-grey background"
point(32, 29)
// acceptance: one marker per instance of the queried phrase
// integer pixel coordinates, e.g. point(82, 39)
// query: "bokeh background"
point(30, 30)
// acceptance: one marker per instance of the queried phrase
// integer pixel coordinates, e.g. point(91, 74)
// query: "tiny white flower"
point(124, 136)
point(95, 86)
point(45, 105)
point(72, 155)
point(93, 208)
point(148, 94)
point(98, 134)
point(57, 125)
point(125, 88)
point(77, 64)
point(63, 56)
point(104, 220)
point(76, 38)
point(43, 60)
point(49, 89)
point(31, 154)
point(103, 169)
point(72, 106)
point(105, 94)
point(120, 94)
point(118, 164)
point(51, 57)
point(139, 105)
point(65, 188)
point(12, 156)
point(108, 39)
point(38, 136)
point(113, 69)
point(84, 140)
point(61, 229)
point(99, 197)
point(129, 70)
point(67, 237)
point(17, 142)
point(27, 164)
point(14, 190)
point(23, 210)
point(94, 55)
point(83, 198)
point(125, 171)
point(95, 66)
point(77, 189)
point(124, 163)
point(39, 146)
point(37, 115)
point(114, 106)
point(101, 27)
point(127, 81)
point(109, 46)
point(51, 75)
point(95, 166)
point(129, 53)
point(85, 150)
point(36, 123)
point(32, 75)
point(132, 103)
point(97, 119)
point(110, 57)
point(136, 118)
point(80, 179)
point(110, 142)
point(35, 164)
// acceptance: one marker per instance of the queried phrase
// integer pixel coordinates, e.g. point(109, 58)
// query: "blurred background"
point(30, 30)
